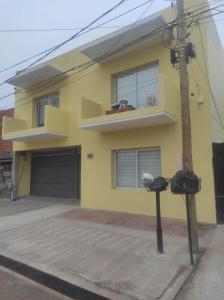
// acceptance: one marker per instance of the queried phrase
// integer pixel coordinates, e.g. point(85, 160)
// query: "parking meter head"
point(159, 184)
point(185, 182)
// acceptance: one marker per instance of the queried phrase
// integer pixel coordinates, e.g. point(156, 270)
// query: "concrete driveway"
point(117, 262)
point(31, 209)
point(8, 207)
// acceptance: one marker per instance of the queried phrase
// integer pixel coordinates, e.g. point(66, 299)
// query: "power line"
point(203, 18)
point(76, 34)
point(132, 25)
point(91, 63)
point(68, 29)
point(203, 5)
point(13, 30)
point(98, 59)
point(212, 21)
point(207, 77)
point(190, 18)
point(90, 29)
point(23, 61)
point(199, 13)
point(71, 38)
point(101, 58)
point(75, 28)
point(196, 79)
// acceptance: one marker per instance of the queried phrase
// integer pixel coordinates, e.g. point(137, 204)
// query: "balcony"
point(93, 115)
point(55, 127)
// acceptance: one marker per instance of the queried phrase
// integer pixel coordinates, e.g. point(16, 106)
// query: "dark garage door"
point(55, 173)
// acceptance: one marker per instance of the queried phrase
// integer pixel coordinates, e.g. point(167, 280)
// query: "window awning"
point(36, 75)
point(123, 41)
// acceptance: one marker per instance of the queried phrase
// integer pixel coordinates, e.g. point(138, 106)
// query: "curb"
point(68, 289)
point(173, 290)
point(76, 292)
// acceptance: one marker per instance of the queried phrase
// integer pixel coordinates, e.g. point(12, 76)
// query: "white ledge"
point(27, 137)
point(146, 120)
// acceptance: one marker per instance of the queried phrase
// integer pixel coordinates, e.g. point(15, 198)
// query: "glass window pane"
point(126, 169)
point(148, 161)
point(41, 102)
point(126, 89)
point(40, 111)
point(54, 100)
point(147, 87)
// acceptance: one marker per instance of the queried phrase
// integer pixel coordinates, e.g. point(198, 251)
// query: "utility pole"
point(185, 114)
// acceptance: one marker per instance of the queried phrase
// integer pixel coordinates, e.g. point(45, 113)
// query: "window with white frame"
point(139, 88)
point(131, 164)
point(52, 99)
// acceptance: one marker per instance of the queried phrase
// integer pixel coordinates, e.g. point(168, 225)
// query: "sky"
point(47, 14)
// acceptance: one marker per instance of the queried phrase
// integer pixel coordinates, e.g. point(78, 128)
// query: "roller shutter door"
point(54, 174)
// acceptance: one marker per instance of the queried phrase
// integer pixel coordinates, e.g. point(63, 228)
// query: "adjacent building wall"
point(215, 66)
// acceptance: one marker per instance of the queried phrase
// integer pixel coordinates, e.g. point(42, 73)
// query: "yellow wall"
point(215, 65)
point(55, 119)
point(11, 125)
point(23, 179)
point(95, 84)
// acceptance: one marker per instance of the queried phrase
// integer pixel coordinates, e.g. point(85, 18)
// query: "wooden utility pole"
point(185, 113)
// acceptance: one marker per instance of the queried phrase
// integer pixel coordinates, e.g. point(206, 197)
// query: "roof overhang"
point(36, 75)
point(146, 120)
point(123, 41)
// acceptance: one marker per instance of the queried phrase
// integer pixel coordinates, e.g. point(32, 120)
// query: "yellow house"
point(89, 122)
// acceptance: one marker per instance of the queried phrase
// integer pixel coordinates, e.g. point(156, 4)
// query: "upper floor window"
point(52, 99)
point(139, 87)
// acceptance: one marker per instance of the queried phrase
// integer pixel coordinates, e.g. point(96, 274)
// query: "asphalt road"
point(14, 286)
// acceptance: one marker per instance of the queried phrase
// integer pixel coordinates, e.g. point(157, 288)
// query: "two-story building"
point(90, 122)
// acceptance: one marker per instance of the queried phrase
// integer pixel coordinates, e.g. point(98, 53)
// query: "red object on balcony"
point(114, 111)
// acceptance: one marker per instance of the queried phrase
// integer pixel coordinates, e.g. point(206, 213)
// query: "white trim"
point(99, 47)
point(35, 134)
point(129, 188)
point(123, 120)
point(34, 69)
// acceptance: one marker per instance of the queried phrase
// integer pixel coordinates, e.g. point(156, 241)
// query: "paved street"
point(14, 286)
point(207, 282)
point(111, 254)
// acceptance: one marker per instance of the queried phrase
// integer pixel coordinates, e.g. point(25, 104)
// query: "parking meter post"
point(189, 230)
point(159, 227)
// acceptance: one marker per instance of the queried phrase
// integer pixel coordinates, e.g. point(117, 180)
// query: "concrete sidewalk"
point(207, 282)
point(118, 262)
